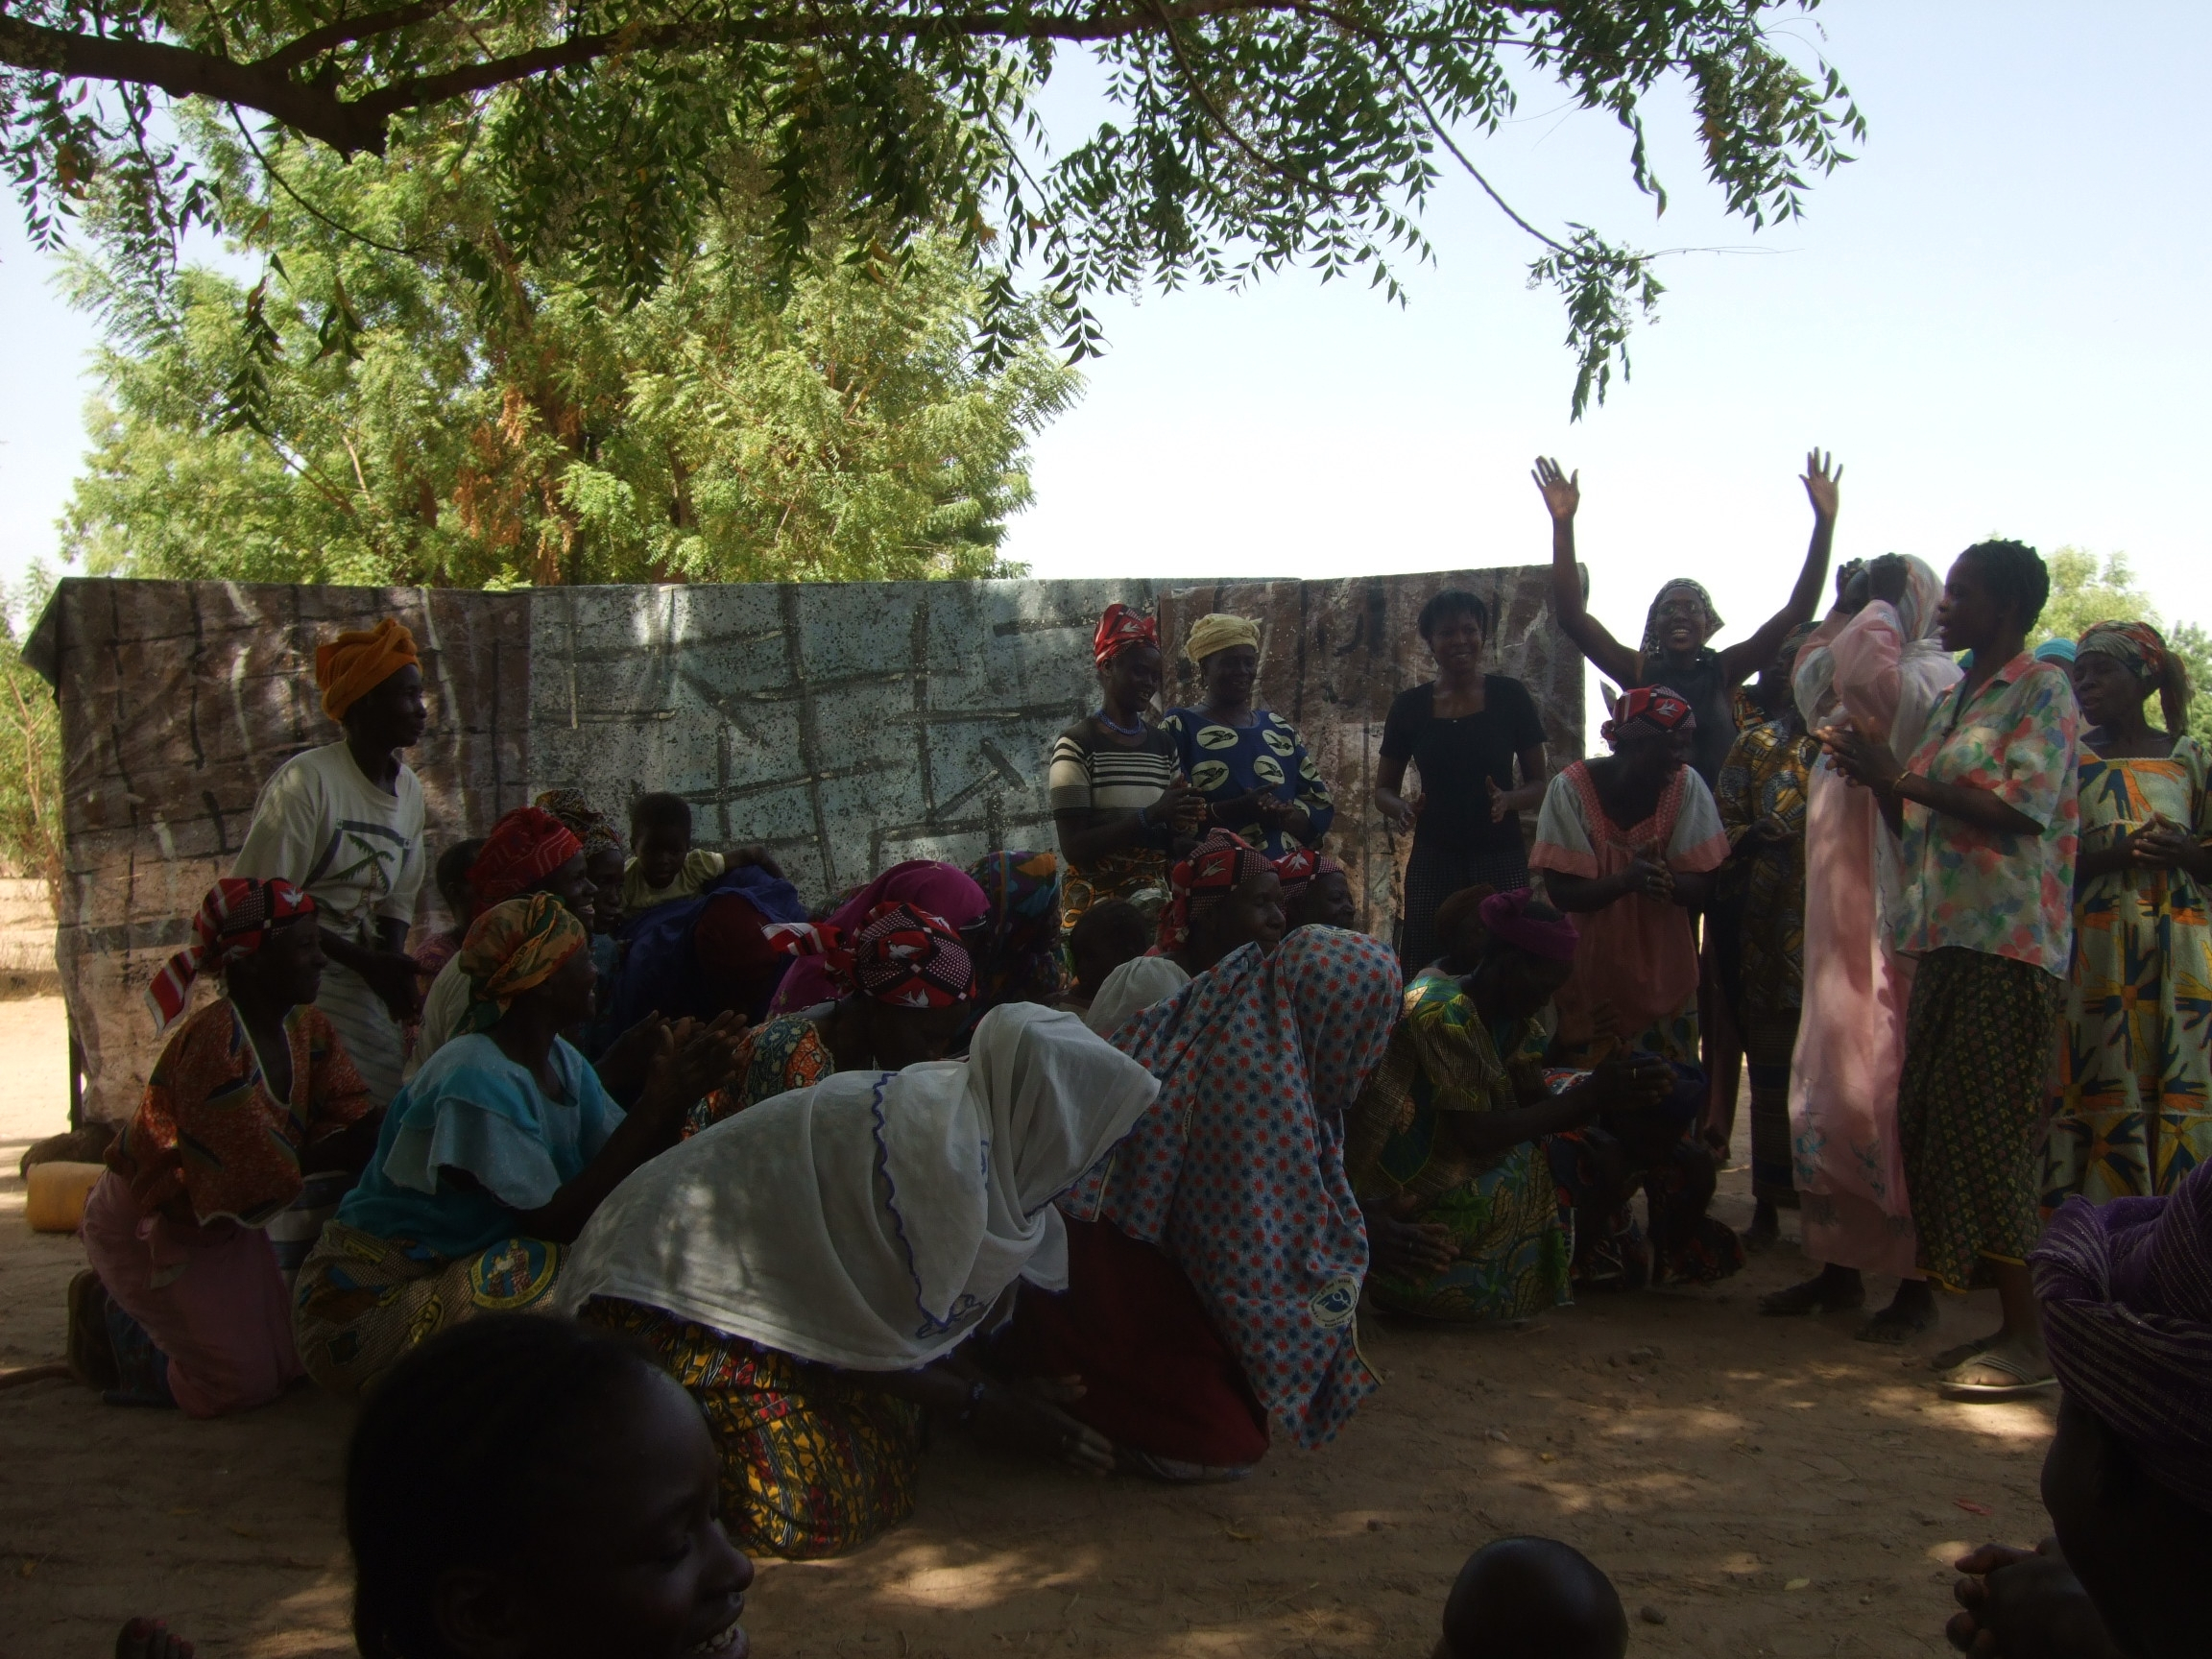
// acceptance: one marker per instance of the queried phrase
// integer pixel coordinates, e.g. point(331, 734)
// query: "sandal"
point(1951, 1359)
point(2022, 1376)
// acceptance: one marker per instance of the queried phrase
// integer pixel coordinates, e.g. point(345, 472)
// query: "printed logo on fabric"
point(1335, 1303)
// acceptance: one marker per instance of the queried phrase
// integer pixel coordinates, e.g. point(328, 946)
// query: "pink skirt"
point(212, 1298)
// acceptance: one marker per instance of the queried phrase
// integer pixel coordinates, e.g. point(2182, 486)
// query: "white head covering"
point(1131, 989)
point(872, 1220)
point(1813, 680)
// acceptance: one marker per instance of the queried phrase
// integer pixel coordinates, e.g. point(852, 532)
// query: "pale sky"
point(1995, 319)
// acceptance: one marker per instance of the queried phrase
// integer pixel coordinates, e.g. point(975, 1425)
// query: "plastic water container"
point(55, 1202)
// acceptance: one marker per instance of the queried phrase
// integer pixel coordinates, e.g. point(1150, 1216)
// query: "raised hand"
point(1887, 578)
point(1823, 487)
point(1562, 493)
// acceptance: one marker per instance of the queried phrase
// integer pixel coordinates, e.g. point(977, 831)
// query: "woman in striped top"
point(1117, 799)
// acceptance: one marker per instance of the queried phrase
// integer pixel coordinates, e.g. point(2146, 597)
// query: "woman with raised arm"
point(1986, 813)
point(1675, 650)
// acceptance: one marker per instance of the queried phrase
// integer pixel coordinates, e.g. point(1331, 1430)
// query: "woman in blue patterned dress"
point(1249, 764)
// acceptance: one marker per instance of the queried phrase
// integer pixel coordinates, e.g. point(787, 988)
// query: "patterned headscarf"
point(1505, 915)
point(1216, 867)
point(2138, 648)
point(1218, 632)
point(1020, 938)
point(2126, 1294)
point(516, 946)
point(931, 887)
point(590, 825)
point(1654, 705)
point(1119, 629)
point(906, 957)
point(350, 667)
point(1301, 867)
point(233, 922)
point(1653, 645)
point(1237, 1169)
point(524, 846)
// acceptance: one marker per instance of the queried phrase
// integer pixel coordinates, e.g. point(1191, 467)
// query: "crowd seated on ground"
point(1097, 1153)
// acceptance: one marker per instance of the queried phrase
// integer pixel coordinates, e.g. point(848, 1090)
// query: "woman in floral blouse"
point(1987, 816)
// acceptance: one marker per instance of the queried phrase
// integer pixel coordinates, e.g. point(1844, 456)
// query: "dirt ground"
point(1754, 1486)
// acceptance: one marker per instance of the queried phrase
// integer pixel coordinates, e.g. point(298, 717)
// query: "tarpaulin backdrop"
point(848, 726)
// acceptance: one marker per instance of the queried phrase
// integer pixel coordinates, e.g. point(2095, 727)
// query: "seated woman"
point(902, 985)
point(932, 888)
point(1225, 894)
point(1112, 932)
point(493, 1157)
point(1017, 944)
point(1447, 1147)
point(811, 1268)
point(1215, 1261)
point(1626, 843)
point(2125, 1292)
point(1316, 891)
point(185, 1302)
point(727, 949)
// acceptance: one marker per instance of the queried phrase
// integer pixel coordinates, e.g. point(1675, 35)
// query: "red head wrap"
point(1505, 915)
point(1656, 706)
point(523, 849)
point(1300, 868)
point(1217, 867)
point(1119, 629)
point(907, 957)
point(234, 921)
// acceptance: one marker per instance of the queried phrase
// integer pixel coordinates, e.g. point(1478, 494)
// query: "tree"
point(2086, 590)
point(1249, 134)
point(362, 414)
point(30, 747)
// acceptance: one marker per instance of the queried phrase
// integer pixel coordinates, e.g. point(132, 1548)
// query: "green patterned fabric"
point(1514, 1247)
point(1977, 1054)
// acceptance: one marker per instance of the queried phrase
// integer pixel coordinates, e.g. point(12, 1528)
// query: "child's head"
point(452, 879)
point(661, 836)
point(1533, 1599)
point(529, 1487)
point(1111, 932)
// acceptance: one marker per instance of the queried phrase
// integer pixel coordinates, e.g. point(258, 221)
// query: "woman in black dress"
point(1463, 731)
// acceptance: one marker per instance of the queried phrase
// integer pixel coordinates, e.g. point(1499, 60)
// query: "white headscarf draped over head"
point(872, 1220)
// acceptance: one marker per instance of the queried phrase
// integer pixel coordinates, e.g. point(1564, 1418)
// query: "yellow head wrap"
point(350, 667)
point(516, 946)
point(1218, 632)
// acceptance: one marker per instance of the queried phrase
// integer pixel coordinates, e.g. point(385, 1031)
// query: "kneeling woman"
point(1448, 1145)
point(492, 1157)
point(810, 1267)
point(903, 989)
point(1214, 1262)
point(251, 1095)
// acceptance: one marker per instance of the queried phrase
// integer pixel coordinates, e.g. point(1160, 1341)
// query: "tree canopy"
point(455, 416)
point(1246, 135)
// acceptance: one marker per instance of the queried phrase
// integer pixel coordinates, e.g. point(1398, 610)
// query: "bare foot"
point(150, 1639)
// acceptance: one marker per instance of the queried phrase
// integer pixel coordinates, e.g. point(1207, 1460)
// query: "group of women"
point(1194, 1115)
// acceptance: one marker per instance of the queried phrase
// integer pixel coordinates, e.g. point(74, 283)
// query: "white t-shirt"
point(442, 1013)
point(358, 854)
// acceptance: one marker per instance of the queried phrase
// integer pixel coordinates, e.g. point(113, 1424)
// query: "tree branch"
point(348, 30)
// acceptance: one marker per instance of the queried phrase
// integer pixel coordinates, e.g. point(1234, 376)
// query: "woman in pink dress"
point(1876, 667)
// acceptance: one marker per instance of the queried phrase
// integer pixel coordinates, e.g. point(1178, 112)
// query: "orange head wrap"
point(350, 667)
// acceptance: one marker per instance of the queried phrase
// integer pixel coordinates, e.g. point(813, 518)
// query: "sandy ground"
point(1754, 1486)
